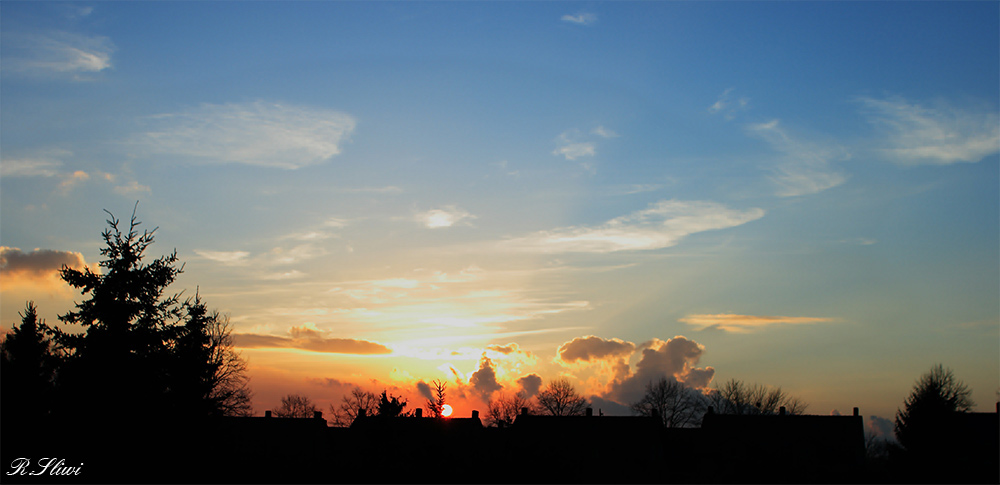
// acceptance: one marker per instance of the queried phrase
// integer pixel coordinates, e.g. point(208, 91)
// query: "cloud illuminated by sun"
point(745, 323)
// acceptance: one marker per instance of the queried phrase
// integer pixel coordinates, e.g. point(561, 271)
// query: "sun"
point(446, 410)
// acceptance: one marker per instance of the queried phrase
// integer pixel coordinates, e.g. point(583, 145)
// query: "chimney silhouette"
point(524, 411)
point(590, 411)
point(475, 414)
point(781, 411)
point(267, 414)
point(318, 414)
point(418, 413)
point(857, 412)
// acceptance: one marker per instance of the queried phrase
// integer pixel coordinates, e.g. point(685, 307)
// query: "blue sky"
point(807, 191)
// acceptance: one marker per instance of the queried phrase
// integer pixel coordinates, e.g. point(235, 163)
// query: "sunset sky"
point(497, 194)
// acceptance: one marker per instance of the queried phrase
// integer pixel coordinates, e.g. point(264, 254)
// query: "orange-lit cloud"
point(675, 358)
point(504, 349)
point(38, 269)
point(305, 338)
point(591, 348)
point(530, 383)
point(484, 380)
point(745, 323)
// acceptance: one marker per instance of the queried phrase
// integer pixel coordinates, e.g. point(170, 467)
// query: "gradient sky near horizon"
point(497, 194)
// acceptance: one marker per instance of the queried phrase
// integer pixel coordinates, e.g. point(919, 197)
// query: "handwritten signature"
point(45, 466)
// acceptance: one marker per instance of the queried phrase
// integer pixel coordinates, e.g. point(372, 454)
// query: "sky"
point(499, 194)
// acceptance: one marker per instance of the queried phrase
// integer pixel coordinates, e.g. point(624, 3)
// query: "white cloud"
point(132, 187)
point(662, 224)
point(225, 257)
point(572, 151)
point(572, 145)
point(604, 132)
point(39, 163)
point(29, 167)
point(297, 254)
point(582, 18)
point(917, 135)
point(287, 275)
point(636, 189)
point(258, 133)
point(57, 53)
point(804, 168)
point(445, 217)
point(388, 189)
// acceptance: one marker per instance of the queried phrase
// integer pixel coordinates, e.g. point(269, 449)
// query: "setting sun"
point(446, 410)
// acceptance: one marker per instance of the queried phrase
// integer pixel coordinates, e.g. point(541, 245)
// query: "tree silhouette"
point(737, 397)
point(560, 399)
point(359, 402)
point(391, 406)
point(296, 406)
point(205, 347)
point(502, 411)
point(922, 426)
point(675, 404)
point(144, 352)
point(435, 406)
point(27, 371)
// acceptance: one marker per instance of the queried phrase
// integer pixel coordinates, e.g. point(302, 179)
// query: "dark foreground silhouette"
point(534, 449)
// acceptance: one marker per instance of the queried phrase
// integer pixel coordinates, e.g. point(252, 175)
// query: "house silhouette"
point(592, 448)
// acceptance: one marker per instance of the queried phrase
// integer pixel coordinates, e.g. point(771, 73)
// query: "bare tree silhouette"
point(358, 403)
point(675, 404)
point(502, 411)
point(295, 406)
point(559, 398)
point(737, 397)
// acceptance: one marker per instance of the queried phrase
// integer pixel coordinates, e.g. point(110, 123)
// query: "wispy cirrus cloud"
point(582, 18)
point(259, 133)
point(728, 106)
point(48, 163)
point(446, 216)
point(804, 167)
point(56, 54)
point(309, 338)
point(663, 224)
point(940, 135)
point(745, 323)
